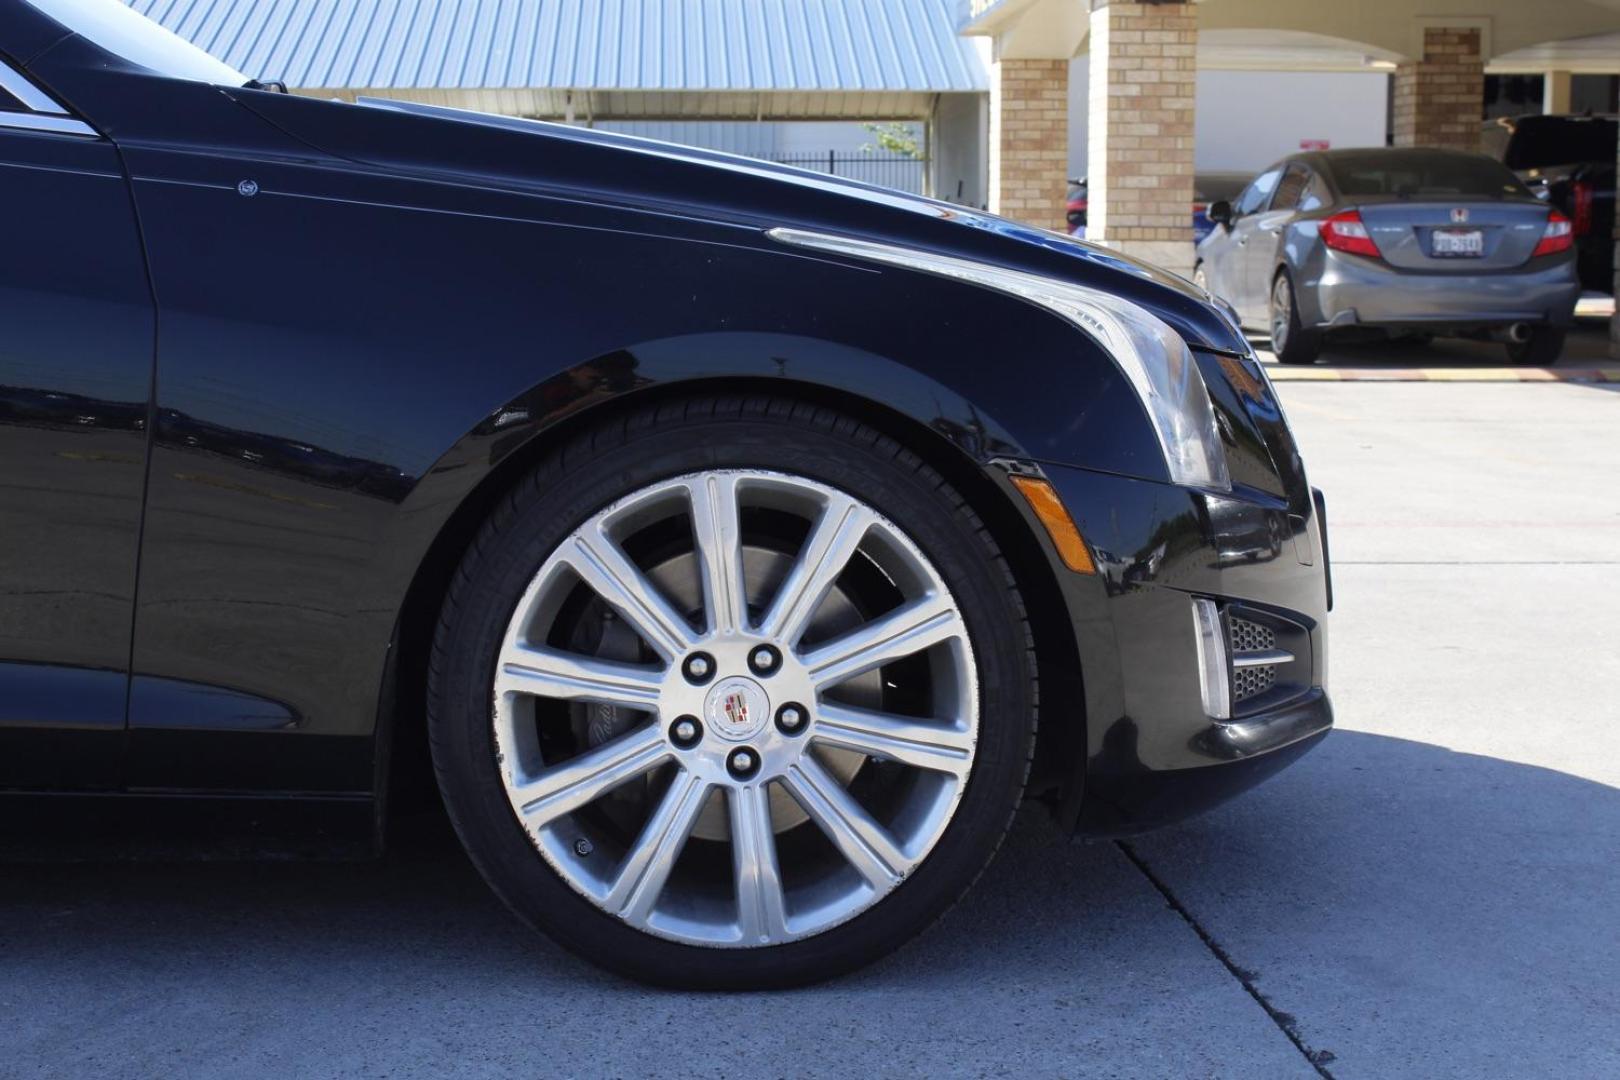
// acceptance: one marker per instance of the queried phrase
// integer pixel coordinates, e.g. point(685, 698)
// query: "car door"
point(1237, 285)
point(1265, 235)
point(76, 338)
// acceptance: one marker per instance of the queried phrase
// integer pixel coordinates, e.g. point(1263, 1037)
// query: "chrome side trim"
point(46, 114)
point(27, 93)
point(1262, 658)
point(62, 125)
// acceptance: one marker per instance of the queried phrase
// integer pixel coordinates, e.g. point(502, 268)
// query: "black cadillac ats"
point(739, 545)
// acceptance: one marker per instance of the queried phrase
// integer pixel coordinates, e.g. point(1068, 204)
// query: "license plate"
point(1457, 243)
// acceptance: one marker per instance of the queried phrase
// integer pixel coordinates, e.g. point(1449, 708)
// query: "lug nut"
point(743, 763)
point(685, 732)
point(698, 667)
point(764, 660)
point(790, 719)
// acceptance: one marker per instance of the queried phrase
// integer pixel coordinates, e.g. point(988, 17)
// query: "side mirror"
point(1220, 212)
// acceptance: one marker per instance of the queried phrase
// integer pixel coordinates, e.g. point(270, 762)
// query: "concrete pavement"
point(1064, 962)
point(1432, 892)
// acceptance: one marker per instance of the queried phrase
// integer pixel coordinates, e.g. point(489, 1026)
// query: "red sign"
point(1314, 144)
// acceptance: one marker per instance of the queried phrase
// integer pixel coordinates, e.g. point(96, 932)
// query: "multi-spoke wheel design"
point(1282, 312)
point(735, 708)
point(1291, 342)
point(732, 692)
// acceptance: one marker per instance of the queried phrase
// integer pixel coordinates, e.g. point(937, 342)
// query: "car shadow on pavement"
point(1587, 346)
point(1410, 908)
point(1419, 911)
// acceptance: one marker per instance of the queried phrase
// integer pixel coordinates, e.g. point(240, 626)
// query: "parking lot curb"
point(1279, 373)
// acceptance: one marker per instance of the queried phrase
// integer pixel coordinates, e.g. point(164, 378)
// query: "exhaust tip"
point(1519, 332)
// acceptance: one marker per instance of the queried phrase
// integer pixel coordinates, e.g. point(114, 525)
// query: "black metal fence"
point(885, 169)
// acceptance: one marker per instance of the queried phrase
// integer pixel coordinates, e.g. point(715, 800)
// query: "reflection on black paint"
point(60, 695)
point(287, 457)
point(37, 407)
point(560, 396)
point(1143, 544)
point(177, 703)
point(1245, 533)
point(974, 436)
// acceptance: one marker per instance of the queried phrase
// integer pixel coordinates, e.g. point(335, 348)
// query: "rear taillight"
point(1559, 235)
point(1345, 231)
point(1582, 207)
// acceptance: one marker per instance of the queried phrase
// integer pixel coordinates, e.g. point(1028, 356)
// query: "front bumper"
point(1349, 290)
point(1153, 751)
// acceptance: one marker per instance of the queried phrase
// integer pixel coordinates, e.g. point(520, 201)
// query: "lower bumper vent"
point(1248, 660)
point(1251, 637)
point(1255, 657)
point(1253, 681)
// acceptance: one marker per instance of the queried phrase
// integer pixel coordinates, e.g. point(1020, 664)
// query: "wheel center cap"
point(736, 708)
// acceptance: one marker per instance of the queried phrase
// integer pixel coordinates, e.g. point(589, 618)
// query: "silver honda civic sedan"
point(1393, 242)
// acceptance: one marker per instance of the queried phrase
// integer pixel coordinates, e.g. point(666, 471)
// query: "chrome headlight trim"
point(1153, 357)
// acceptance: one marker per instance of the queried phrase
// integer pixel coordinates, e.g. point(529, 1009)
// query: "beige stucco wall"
point(1397, 25)
point(1042, 28)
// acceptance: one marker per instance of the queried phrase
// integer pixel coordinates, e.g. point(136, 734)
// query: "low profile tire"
point(1541, 349)
point(732, 693)
point(1291, 342)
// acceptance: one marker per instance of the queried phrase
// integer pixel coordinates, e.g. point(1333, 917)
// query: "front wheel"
point(1291, 342)
point(736, 693)
point(1541, 349)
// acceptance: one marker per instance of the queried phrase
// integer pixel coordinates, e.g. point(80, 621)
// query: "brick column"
point(1139, 162)
point(1555, 95)
point(1029, 141)
point(1440, 100)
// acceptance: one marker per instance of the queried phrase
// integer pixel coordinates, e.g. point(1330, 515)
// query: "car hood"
point(668, 178)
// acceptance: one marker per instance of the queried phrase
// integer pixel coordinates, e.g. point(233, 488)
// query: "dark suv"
point(1570, 162)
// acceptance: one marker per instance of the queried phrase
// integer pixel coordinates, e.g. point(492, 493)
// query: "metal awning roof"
point(714, 58)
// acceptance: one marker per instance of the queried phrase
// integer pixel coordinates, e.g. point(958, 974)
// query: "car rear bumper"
point(1154, 752)
point(1355, 291)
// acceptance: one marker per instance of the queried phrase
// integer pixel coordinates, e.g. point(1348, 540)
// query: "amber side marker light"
point(1059, 525)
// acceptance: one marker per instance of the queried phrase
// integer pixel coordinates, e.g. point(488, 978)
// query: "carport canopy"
point(600, 59)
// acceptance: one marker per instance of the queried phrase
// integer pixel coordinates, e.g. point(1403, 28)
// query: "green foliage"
point(895, 138)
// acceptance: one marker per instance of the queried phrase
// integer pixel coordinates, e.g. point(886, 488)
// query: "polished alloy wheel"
point(1282, 313)
point(735, 708)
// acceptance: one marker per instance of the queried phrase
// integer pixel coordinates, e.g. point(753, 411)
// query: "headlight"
point(1155, 360)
